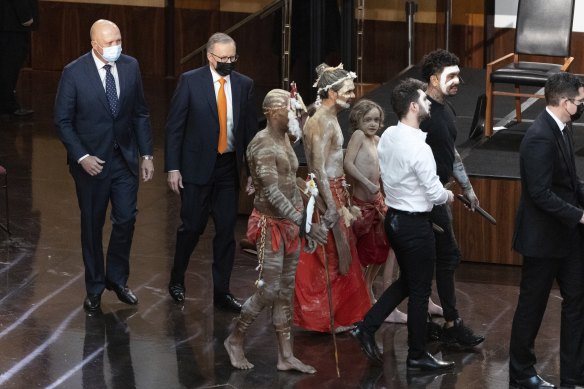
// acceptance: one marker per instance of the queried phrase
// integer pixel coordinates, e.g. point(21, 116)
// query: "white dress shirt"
point(560, 124)
point(101, 70)
point(228, 96)
point(408, 170)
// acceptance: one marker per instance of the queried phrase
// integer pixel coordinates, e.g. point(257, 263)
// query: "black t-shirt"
point(441, 129)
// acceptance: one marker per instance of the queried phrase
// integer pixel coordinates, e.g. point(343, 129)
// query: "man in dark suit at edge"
point(211, 120)
point(104, 123)
point(548, 235)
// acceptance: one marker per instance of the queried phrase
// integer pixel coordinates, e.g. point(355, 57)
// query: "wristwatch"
point(148, 157)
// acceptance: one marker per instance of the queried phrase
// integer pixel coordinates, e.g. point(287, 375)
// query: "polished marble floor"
point(47, 340)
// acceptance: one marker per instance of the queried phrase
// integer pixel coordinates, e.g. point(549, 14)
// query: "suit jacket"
point(85, 123)
point(192, 127)
point(552, 194)
point(15, 12)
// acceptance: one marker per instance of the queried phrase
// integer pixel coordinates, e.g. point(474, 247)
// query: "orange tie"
point(222, 111)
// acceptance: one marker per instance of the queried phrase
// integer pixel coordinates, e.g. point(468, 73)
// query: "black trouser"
point(447, 260)
point(120, 188)
point(14, 46)
point(412, 239)
point(219, 197)
point(537, 277)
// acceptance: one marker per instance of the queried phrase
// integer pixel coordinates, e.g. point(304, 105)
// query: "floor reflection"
point(48, 341)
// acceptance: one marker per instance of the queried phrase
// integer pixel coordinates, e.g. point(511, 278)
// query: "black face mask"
point(578, 113)
point(224, 68)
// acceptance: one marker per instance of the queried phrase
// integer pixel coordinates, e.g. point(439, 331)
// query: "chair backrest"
point(544, 27)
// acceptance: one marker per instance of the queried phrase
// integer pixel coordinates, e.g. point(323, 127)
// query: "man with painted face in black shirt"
point(440, 70)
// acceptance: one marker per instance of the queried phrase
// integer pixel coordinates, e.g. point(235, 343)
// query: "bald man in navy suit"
point(102, 119)
point(204, 166)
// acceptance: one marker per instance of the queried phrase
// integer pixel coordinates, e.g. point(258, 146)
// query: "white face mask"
point(111, 53)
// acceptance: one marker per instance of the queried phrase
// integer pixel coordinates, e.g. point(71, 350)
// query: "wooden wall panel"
point(64, 34)
point(480, 241)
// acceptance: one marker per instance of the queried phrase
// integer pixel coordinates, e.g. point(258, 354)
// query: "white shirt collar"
point(560, 124)
point(99, 63)
point(414, 132)
point(216, 75)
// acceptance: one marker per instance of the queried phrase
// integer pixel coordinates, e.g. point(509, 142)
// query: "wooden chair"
point(544, 30)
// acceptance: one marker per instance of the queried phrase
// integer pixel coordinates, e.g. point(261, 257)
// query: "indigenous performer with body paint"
point(274, 226)
point(440, 70)
point(323, 145)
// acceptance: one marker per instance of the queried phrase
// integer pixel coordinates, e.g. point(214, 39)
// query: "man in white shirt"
point(412, 188)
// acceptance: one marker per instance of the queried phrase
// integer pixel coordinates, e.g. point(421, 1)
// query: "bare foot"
point(292, 363)
point(234, 348)
point(434, 309)
point(397, 317)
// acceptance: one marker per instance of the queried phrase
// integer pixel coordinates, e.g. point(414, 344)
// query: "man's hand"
point(92, 165)
point(249, 188)
point(472, 197)
point(450, 197)
point(174, 180)
point(318, 233)
point(147, 169)
point(331, 216)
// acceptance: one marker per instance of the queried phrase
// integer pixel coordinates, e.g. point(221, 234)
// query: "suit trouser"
point(412, 239)
point(537, 277)
point(219, 197)
point(120, 188)
point(447, 260)
point(14, 46)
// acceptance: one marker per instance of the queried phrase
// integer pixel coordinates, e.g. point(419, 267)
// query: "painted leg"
point(286, 358)
point(234, 342)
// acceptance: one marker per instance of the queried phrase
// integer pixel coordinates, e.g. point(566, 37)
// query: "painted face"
point(449, 80)
point(346, 94)
point(370, 122)
point(424, 104)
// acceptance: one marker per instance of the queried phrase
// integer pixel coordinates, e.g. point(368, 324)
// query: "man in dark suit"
point(17, 19)
point(548, 235)
point(102, 119)
point(211, 121)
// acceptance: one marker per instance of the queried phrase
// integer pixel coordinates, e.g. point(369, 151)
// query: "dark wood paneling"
point(63, 34)
point(480, 241)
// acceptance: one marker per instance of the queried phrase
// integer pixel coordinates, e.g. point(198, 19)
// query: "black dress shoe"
point(535, 382)
point(124, 293)
point(92, 302)
point(227, 302)
point(177, 292)
point(428, 363)
point(368, 344)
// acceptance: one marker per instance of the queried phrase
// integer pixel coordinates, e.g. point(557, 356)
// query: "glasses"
point(576, 102)
point(225, 59)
